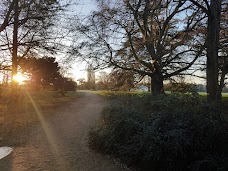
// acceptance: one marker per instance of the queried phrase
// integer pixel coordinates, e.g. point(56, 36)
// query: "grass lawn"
point(116, 94)
point(119, 93)
point(18, 114)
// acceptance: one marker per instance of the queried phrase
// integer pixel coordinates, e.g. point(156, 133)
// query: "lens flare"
point(19, 78)
point(50, 135)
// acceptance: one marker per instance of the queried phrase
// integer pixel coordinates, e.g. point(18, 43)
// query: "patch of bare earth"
point(59, 143)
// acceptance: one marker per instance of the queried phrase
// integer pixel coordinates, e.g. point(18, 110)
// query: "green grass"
point(117, 93)
point(133, 93)
point(224, 99)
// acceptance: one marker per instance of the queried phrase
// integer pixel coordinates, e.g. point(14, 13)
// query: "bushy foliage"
point(174, 132)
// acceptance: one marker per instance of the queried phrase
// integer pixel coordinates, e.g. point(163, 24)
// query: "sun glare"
point(19, 78)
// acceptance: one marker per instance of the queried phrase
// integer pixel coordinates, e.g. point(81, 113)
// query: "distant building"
point(201, 88)
point(143, 88)
point(90, 77)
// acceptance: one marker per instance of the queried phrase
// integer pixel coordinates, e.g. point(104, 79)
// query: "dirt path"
point(59, 142)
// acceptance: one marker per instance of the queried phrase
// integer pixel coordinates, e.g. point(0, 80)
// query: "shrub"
point(174, 132)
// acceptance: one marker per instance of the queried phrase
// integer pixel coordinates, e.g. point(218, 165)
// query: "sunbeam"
point(49, 134)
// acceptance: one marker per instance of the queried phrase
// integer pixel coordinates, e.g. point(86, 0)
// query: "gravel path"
point(59, 142)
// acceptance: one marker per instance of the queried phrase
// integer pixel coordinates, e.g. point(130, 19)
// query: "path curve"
point(59, 142)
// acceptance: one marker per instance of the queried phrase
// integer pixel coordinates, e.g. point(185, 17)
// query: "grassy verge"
point(116, 94)
point(19, 114)
point(173, 132)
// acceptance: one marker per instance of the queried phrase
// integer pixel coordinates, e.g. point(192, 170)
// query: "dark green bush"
point(174, 132)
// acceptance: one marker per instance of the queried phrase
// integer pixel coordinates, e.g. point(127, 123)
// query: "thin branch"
point(207, 11)
point(188, 66)
point(7, 17)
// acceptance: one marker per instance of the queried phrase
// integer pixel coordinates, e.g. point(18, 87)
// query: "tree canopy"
point(43, 71)
point(161, 39)
point(27, 29)
point(154, 38)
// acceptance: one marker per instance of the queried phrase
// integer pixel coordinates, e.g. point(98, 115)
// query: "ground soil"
point(59, 142)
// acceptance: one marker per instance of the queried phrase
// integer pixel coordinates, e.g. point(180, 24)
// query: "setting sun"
point(19, 78)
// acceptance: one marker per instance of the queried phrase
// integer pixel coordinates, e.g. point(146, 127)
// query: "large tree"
point(154, 38)
point(213, 10)
point(43, 72)
point(28, 28)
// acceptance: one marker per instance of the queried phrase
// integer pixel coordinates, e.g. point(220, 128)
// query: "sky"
point(82, 9)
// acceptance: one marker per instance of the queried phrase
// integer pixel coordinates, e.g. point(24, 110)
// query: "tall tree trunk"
point(157, 86)
point(212, 50)
point(15, 47)
point(221, 84)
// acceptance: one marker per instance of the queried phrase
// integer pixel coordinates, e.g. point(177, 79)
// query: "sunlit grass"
point(118, 93)
point(19, 113)
point(141, 93)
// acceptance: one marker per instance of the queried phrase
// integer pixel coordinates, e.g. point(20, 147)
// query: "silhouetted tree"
point(212, 9)
point(121, 79)
point(144, 37)
point(44, 72)
point(30, 23)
